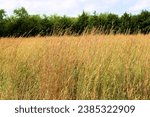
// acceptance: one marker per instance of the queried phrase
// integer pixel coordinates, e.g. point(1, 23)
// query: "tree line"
point(23, 24)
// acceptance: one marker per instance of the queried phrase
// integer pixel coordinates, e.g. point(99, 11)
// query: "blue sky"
point(75, 7)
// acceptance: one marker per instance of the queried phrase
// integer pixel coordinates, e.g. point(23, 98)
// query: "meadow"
point(86, 67)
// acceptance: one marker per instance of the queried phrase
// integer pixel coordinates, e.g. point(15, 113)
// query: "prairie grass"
point(88, 67)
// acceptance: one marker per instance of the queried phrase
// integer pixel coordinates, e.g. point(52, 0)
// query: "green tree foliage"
point(125, 25)
point(93, 22)
point(46, 26)
point(2, 21)
point(82, 23)
point(112, 23)
point(23, 24)
point(134, 24)
point(21, 13)
point(144, 22)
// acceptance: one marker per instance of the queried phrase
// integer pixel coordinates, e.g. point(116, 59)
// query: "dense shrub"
point(23, 24)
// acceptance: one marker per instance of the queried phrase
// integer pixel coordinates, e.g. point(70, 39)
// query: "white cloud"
point(8, 5)
point(74, 7)
point(140, 5)
point(47, 5)
point(38, 6)
point(101, 5)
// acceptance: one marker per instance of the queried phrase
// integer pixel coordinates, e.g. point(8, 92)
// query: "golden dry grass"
point(81, 67)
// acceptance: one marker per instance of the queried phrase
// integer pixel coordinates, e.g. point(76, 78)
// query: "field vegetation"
point(75, 67)
point(21, 23)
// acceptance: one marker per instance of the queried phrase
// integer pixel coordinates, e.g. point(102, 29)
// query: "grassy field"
point(82, 67)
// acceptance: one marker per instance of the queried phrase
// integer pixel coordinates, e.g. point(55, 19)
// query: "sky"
point(75, 7)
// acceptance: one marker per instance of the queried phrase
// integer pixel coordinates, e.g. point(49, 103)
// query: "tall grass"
point(75, 67)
